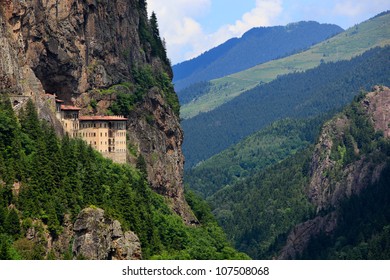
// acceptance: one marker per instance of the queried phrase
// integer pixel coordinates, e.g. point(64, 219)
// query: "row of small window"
point(99, 125)
point(75, 125)
point(93, 134)
point(109, 142)
point(90, 134)
point(103, 125)
point(113, 150)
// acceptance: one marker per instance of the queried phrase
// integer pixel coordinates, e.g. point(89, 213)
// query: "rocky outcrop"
point(330, 182)
point(16, 76)
point(156, 133)
point(377, 104)
point(301, 235)
point(97, 237)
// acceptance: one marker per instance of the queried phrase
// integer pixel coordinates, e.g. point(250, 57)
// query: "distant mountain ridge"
point(344, 46)
point(256, 46)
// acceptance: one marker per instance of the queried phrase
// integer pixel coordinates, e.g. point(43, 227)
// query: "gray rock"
point(97, 237)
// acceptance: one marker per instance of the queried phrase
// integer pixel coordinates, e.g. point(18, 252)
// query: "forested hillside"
point(344, 46)
point(256, 46)
point(298, 95)
point(330, 199)
point(266, 147)
point(45, 182)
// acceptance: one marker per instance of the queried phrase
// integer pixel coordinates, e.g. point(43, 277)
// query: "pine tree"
point(12, 223)
point(154, 26)
point(4, 247)
point(3, 215)
point(30, 121)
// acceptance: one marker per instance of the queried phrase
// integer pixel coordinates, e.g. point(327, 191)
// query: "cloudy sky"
point(191, 27)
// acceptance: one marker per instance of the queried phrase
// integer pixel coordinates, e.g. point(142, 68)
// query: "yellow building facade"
point(106, 134)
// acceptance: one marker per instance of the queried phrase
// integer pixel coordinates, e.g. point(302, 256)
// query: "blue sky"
point(191, 27)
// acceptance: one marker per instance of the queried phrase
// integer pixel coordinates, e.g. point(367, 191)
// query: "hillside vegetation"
point(260, 150)
point(344, 46)
point(300, 95)
point(60, 177)
point(256, 46)
point(259, 212)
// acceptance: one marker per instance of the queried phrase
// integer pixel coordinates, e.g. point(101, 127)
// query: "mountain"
point(256, 46)
point(59, 198)
point(266, 147)
point(344, 46)
point(328, 201)
point(299, 95)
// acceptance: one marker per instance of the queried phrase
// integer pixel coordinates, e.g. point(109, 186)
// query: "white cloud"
point(265, 12)
point(184, 34)
point(177, 22)
point(356, 8)
point(262, 15)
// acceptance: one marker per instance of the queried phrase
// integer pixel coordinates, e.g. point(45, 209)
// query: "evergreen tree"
point(4, 247)
point(30, 121)
point(154, 26)
point(3, 216)
point(12, 223)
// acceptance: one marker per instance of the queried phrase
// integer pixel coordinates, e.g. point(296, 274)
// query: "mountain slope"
point(52, 196)
point(256, 46)
point(328, 201)
point(299, 95)
point(344, 46)
point(266, 147)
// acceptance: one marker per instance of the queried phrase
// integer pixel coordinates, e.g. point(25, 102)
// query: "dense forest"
point(256, 46)
point(325, 88)
point(60, 177)
point(256, 152)
point(364, 228)
point(258, 212)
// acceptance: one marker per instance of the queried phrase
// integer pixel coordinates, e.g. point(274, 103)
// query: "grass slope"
point(348, 44)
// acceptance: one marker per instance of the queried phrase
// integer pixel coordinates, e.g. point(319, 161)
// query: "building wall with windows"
point(106, 134)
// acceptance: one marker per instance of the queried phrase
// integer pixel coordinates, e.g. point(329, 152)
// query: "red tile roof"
point(69, 108)
point(102, 118)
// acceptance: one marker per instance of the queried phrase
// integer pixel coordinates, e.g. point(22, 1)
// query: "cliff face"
point(76, 48)
point(155, 132)
point(332, 181)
